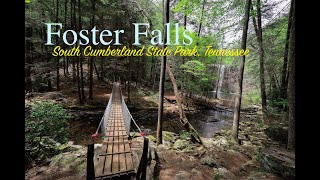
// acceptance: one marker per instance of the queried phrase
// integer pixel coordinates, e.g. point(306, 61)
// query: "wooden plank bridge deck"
point(115, 157)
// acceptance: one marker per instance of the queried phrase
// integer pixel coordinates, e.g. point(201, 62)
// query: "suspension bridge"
point(115, 159)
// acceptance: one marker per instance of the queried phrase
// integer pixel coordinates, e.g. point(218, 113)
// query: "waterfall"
point(221, 77)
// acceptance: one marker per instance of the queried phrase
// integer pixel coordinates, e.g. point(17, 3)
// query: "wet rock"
point(208, 160)
point(213, 120)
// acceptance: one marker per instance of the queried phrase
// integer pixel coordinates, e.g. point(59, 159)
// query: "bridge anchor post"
point(90, 164)
point(142, 169)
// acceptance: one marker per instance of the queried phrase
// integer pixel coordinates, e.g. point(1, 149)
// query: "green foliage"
point(252, 96)
point(140, 93)
point(47, 119)
point(40, 83)
point(216, 176)
point(45, 127)
point(194, 67)
point(185, 134)
point(279, 102)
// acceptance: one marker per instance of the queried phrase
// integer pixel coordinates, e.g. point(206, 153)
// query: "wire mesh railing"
point(127, 116)
point(103, 122)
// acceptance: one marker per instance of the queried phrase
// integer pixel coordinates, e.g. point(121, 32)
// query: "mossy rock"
point(181, 144)
point(223, 173)
point(169, 136)
point(75, 161)
point(66, 148)
point(152, 138)
point(208, 160)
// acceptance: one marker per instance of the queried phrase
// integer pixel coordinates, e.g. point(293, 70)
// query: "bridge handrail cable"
point(124, 105)
point(102, 124)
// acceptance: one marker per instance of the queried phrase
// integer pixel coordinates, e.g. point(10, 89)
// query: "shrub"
point(280, 103)
point(43, 129)
point(185, 134)
point(47, 119)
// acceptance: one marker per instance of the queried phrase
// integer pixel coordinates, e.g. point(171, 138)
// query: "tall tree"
point(28, 82)
point(81, 57)
point(57, 43)
point(78, 58)
point(258, 31)
point(91, 58)
point(219, 72)
point(65, 63)
point(162, 73)
point(291, 83)
point(284, 80)
point(183, 117)
point(201, 19)
point(237, 106)
point(73, 9)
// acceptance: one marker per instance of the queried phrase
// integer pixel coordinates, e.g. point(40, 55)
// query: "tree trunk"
point(28, 81)
point(65, 63)
point(273, 84)
point(284, 80)
point(236, 113)
point(57, 43)
point(129, 79)
point(217, 82)
point(258, 31)
point(182, 88)
point(101, 69)
point(91, 58)
point(155, 74)
point(183, 117)
point(201, 18)
point(292, 84)
point(78, 82)
point(162, 73)
point(48, 73)
point(95, 68)
point(81, 57)
point(72, 8)
point(102, 58)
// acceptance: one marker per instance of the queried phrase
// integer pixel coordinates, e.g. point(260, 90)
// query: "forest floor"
point(218, 158)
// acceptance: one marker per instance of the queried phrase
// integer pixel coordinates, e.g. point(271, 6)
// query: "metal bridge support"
point(142, 169)
point(90, 164)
